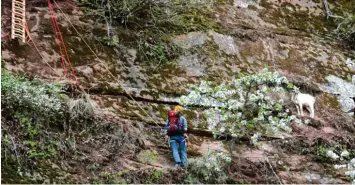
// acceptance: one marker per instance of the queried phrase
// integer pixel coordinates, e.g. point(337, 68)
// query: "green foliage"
point(95, 180)
point(109, 41)
point(106, 178)
point(346, 29)
point(35, 105)
point(191, 180)
point(30, 108)
point(120, 173)
point(197, 18)
point(34, 99)
point(187, 15)
point(36, 149)
point(2, 63)
point(328, 154)
point(93, 167)
point(155, 176)
point(161, 52)
point(210, 168)
point(147, 23)
point(321, 154)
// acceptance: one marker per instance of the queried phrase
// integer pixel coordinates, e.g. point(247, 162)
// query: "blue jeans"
point(178, 143)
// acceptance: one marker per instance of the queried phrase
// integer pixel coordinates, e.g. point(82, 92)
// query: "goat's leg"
point(309, 109)
point(298, 109)
point(312, 110)
point(301, 108)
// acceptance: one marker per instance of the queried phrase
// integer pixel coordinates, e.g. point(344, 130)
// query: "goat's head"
point(294, 92)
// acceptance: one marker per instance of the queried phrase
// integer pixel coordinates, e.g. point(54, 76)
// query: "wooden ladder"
point(18, 26)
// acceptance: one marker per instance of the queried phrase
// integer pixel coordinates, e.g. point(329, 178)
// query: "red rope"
point(62, 47)
point(2, 34)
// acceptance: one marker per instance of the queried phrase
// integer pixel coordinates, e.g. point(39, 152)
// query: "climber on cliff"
point(176, 126)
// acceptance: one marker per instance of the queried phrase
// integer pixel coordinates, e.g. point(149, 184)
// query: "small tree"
point(346, 29)
point(243, 106)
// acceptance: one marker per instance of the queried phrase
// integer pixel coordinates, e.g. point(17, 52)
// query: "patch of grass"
point(93, 167)
point(191, 180)
point(160, 52)
point(147, 156)
point(123, 172)
point(106, 178)
point(155, 176)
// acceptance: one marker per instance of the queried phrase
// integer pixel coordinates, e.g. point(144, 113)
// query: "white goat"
point(300, 99)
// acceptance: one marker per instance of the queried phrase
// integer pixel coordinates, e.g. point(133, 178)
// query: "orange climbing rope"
point(62, 48)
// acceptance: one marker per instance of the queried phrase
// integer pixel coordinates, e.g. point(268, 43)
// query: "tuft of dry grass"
point(83, 106)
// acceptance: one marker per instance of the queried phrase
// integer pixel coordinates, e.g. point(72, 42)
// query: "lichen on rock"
point(340, 87)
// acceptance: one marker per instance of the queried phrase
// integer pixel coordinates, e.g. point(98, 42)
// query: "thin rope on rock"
point(109, 72)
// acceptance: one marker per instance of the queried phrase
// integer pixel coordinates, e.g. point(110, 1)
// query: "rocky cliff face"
point(290, 37)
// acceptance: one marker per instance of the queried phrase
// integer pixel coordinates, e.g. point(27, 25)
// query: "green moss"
point(202, 124)
point(282, 31)
point(299, 20)
point(147, 156)
point(327, 100)
point(163, 112)
point(199, 19)
point(342, 6)
point(106, 178)
point(190, 115)
point(265, 4)
point(282, 47)
point(123, 172)
point(106, 88)
point(252, 7)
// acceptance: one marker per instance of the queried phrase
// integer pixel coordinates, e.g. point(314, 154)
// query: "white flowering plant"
point(33, 98)
point(351, 170)
point(210, 167)
point(339, 156)
point(344, 156)
point(243, 106)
